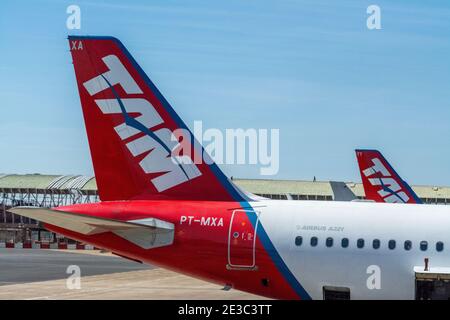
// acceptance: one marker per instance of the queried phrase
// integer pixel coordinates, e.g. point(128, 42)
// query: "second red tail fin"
point(381, 182)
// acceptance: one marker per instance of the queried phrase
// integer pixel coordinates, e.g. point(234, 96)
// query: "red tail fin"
point(381, 182)
point(133, 132)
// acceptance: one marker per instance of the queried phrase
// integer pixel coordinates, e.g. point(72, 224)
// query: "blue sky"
point(310, 68)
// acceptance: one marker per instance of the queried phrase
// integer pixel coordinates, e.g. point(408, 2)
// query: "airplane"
point(167, 209)
point(380, 181)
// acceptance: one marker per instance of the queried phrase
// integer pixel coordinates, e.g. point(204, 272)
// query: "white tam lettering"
point(386, 182)
point(390, 187)
point(160, 144)
point(377, 167)
point(159, 160)
point(117, 74)
point(149, 117)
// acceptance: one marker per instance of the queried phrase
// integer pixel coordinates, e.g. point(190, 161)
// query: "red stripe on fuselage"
point(198, 250)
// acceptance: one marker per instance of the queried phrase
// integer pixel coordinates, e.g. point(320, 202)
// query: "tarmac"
point(42, 274)
point(32, 265)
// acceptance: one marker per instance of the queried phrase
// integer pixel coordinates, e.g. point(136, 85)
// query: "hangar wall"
point(56, 190)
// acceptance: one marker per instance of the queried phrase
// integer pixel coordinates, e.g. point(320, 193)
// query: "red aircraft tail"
point(381, 182)
point(140, 148)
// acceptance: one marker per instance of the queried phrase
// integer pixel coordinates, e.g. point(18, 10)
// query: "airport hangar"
point(56, 190)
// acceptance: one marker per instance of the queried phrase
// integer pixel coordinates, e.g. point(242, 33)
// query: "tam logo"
point(176, 169)
point(390, 190)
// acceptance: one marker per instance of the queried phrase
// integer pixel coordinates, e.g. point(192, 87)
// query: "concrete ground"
point(41, 274)
point(31, 265)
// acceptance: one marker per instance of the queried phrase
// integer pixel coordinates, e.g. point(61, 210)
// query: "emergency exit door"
point(242, 239)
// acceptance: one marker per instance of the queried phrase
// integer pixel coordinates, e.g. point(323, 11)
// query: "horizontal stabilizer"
point(146, 233)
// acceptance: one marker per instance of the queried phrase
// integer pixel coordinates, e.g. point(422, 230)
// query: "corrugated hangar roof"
point(46, 181)
point(259, 186)
point(32, 181)
point(267, 186)
point(320, 188)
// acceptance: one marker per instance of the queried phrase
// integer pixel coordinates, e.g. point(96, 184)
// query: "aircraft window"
point(298, 241)
point(408, 245)
point(329, 242)
point(360, 243)
point(439, 246)
point(423, 245)
point(391, 244)
point(314, 241)
point(344, 242)
point(376, 244)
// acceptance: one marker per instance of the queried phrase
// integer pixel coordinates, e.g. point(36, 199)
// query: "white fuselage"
point(351, 267)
